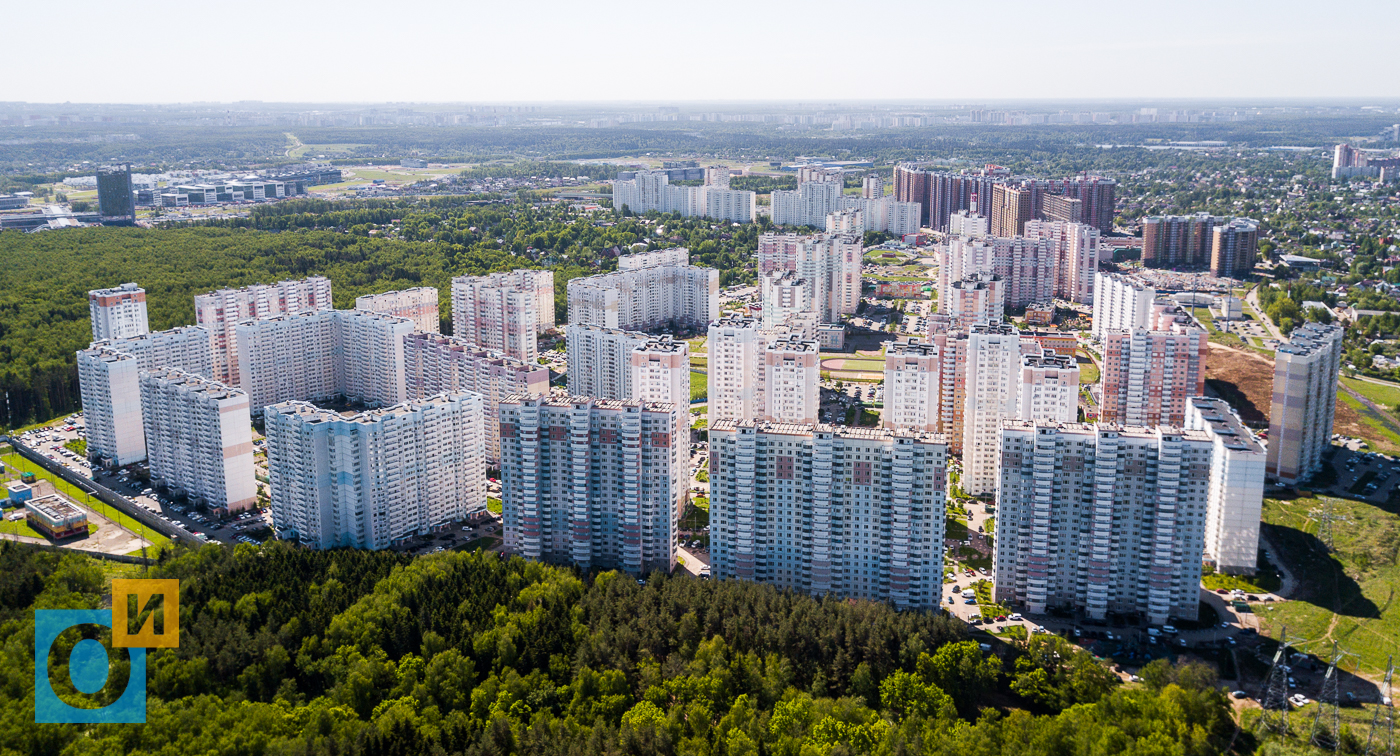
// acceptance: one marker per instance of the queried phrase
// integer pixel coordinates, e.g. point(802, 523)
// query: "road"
point(1253, 299)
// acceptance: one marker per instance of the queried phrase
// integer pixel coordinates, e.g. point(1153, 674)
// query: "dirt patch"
point(1245, 379)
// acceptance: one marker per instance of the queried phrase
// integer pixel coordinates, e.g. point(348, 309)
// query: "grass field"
point(1348, 595)
point(1387, 396)
point(699, 361)
point(1365, 425)
point(1088, 371)
point(493, 505)
point(699, 385)
point(21, 528)
point(157, 539)
point(697, 344)
point(324, 149)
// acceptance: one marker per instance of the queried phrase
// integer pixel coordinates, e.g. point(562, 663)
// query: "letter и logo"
point(145, 614)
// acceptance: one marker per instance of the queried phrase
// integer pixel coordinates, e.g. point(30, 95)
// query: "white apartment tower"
point(108, 382)
point(419, 304)
point(912, 386)
point(199, 439)
point(600, 360)
point(220, 312)
point(992, 395)
point(1120, 304)
point(593, 482)
point(1049, 388)
point(435, 364)
point(501, 312)
point(784, 293)
point(1100, 519)
point(735, 381)
point(650, 290)
point(791, 368)
point(378, 478)
point(1304, 403)
point(1236, 487)
point(661, 372)
point(829, 510)
point(829, 264)
point(355, 354)
point(118, 312)
point(975, 300)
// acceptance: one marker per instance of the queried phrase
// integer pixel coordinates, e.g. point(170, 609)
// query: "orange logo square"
point(139, 620)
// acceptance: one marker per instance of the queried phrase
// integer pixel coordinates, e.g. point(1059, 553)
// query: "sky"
point(139, 51)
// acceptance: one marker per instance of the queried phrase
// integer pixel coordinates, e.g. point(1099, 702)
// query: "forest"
point(363, 246)
point(287, 651)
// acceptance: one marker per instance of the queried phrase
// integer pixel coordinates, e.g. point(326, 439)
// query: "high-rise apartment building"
point(808, 204)
point(735, 369)
point(1149, 375)
point(419, 304)
point(1010, 210)
point(977, 299)
point(829, 510)
point(377, 478)
point(220, 312)
point(600, 360)
point(108, 382)
point(659, 289)
point(352, 354)
point(784, 293)
point(912, 386)
point(1027, 267)
point(1121, 304)
point(652, 190)
point(118, 312)
point(661, 371)
point(1233, 247)
point(791, 369)
point(1058, 207)
point(502, 311)
point(435, 364)
point(1048, 387)
point(1304, 402)
point(968, 224)
point(1178, 241)
point(593, 482)
point(1101, 519)
point(872, 187)
point(829, 264)
point(1097, 196)
point(992, 394)
point(1075, 248)
point(1236, 487)
point(116, 200)
point(199, 439)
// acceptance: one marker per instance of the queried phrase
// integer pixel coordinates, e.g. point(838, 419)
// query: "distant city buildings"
point(503, 312)
point(1233, 248)
point(435, 364)
point(375, 479)
point(943, 193)
point(647, 191)
point(220, 312)
point(650, 290)
point(1148, 375)
point(419, 304)
point(1179, 241)
point(199, 440)
point(118, 313)
point(816, 202)
point(116, 199)
point(593, 482)
point(829, 510)
point(1304, 402)
point(1101, 519)
point(1236, 487)
point(1349, 162)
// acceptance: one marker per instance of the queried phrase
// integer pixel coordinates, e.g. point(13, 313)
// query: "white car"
point(1015, 618)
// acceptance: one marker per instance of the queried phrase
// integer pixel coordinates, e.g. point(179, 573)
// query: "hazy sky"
point(438, 50)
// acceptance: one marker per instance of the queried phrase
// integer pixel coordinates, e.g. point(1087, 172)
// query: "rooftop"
point(836, 431)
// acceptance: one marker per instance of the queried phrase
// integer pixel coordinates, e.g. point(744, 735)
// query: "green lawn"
point(867, 366)
point(157, 539)
point(1261, 583)
point(697, 514)
point(21, 528)
point(1347, 595)
point(1387, 396)
point(1088, 371)
point(1381, 438)
point(697, 344)
point(493, 505)
point(699, 385)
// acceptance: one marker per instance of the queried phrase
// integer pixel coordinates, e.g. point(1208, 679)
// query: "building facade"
point(1233, 248)
point(199, 439)
point(1075, 247)
point(1101, 519)
point(912, 386)
point(435, 364)
point(828, 264)
point(1148, 376)
point(593, 482)
point(791, 369)
point(1121, 304)
point(829, 510)
point(977, 299)
point(1236, 487)
point(600, 360)
point(419, 304)
point(656, 291)
point(502, 311)
point(1304, 402)
point(1178, 241)
point(735, 369)
point(377, 478)
point(118, 313)
point(660, 370)
point(220, 312)
point(992, 395)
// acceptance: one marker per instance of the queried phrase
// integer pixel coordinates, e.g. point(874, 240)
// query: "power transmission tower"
point(1324, 524)
point(1327, 721)
point(1381, 740)
point(1275, 703)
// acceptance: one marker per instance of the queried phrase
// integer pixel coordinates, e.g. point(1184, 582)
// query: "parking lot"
point(1363, 475)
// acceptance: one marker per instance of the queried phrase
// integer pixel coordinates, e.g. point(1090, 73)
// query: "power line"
point(1381, 740)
